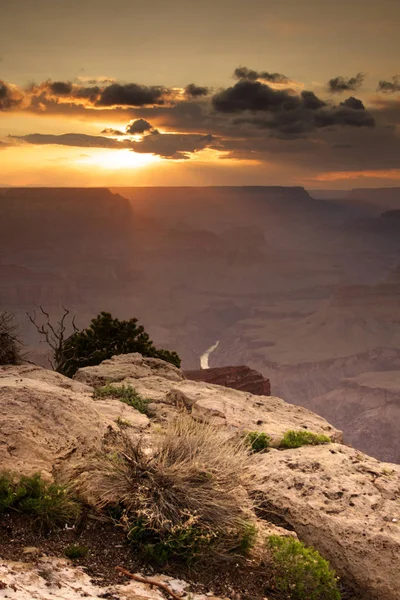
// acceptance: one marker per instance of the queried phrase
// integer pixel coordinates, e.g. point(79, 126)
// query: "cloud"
point(80, 140)
point(168, 145)
point(285, 113)
point(173, 146)
point(61, 88)
point(245, 73)
point(111, 131)
point(132, 94)
point(195, 91)
point(353, 103)
point(253, 96)
point(340, 84)
point(9, 97)
point(138, 126)
point(390, 87)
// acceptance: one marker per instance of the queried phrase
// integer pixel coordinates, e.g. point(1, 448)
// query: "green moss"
point(257, 440)
point(50, 504)
point(126, 394)
point(301, 572)
point(295, 439)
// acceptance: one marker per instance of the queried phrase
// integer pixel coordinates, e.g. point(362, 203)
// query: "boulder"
point(345, 504)
point(47, 419)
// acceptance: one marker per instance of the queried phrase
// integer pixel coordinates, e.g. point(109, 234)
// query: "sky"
point(200, 92)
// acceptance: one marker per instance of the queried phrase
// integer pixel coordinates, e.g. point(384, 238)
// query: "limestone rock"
point(344, 503)
point(47, 419)
point(132, 365)
point(52, 577)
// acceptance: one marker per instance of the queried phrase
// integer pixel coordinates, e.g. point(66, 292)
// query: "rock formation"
point(341, 501)
point(238, 378)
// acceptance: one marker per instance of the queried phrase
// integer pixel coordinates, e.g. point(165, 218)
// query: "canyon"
point(303, 289)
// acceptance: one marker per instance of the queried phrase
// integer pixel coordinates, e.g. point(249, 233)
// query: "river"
point(204, 357)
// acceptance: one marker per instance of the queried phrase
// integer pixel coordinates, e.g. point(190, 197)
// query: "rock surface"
point(341, 501)
point(238, 378)
point(344, 503)
point(50, 578)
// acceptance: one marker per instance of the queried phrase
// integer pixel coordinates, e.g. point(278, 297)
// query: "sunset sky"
point(200, 92)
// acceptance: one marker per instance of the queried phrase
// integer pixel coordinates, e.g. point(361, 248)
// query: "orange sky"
point(319, 105)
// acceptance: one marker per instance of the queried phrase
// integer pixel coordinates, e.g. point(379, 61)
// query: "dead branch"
point(148, 581)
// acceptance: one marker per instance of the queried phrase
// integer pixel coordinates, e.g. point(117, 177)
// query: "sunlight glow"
point(119, 159)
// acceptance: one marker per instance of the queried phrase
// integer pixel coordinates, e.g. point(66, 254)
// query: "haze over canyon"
point(303, 286)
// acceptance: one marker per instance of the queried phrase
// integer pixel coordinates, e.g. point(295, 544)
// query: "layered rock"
point(369, 402)
point(238, 378)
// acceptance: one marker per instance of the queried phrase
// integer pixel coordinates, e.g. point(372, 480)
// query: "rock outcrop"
point(341, 501)
point(57, 578)
point(240, 378)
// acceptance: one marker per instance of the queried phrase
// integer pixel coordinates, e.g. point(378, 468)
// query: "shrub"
point(75, 551)
point(126, 394)
point(10, 344)
point(184, 499)
point(50, 504)
point(301, 572)
point(295, 439)
point(257, 440)
point(105, 337)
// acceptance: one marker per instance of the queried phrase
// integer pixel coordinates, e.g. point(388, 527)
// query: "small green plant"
point(126, 394)
point(75, 552)
point(257, 440)
point(50, 504)
point(295, 439)
point(301, 572)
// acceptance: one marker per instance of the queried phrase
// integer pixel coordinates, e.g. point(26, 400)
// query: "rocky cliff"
point(238, 378)
point(333, 497)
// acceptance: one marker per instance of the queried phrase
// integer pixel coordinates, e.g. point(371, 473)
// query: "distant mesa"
point(238, 378)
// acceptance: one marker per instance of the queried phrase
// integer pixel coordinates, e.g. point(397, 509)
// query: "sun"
point(118, 159)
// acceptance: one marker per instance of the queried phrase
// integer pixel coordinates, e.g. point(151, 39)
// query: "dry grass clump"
point(187, 492)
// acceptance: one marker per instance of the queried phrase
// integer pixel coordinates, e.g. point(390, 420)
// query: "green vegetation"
point(10, 344)
point(105, 337)
point(75, 552)
point(125, 393)
point(295, 439)
point(257, 440)
point(183, 500)
point(301, 572)
point(50, 504)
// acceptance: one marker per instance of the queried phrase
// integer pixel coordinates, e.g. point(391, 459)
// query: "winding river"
point(204, 357)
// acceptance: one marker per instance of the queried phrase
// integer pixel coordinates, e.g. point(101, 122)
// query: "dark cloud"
point(340, 84)
point(390, 87)
point(311, 101)
point(195, 91)
point(168, 145)
point(173, 146)
point(253, 96)
point(138, 126)
point(79, 140)
point(9, 98)
point(132, 94)
point(344, 115)
point(111, 131)
point(245, 73)
point(61, 88)
point(353, 103)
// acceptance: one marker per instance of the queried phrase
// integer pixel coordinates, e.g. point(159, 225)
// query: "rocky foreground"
point(341, 501)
